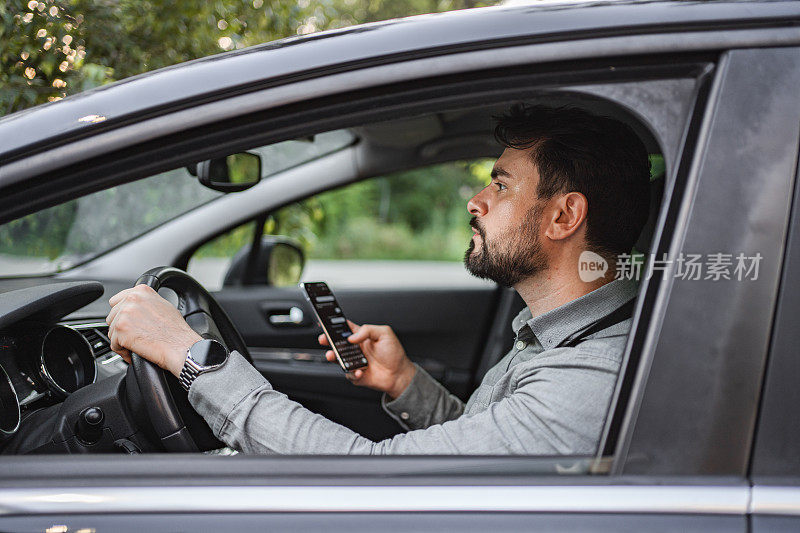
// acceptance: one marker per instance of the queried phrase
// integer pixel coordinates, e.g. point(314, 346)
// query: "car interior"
point(64, 391)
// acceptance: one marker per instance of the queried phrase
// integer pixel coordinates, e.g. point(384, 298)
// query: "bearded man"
point(567, 183)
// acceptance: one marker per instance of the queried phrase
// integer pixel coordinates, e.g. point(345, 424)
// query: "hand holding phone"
point(390, 370)
point(334, 325)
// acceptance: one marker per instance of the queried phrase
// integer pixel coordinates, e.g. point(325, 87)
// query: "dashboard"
point(44, 358)
point(42, 364)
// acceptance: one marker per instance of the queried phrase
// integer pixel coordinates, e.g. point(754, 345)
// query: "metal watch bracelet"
point(189, 372)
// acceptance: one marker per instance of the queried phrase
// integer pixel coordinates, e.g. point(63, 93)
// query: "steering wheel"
point(175, 423)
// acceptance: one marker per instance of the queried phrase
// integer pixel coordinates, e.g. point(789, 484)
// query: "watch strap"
point(189, 372)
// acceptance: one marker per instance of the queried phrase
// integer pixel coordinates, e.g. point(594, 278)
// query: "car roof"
point(227, 74)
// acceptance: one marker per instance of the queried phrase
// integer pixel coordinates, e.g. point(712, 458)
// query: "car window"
point(65, 235)
point(407, 229)
point(403, 230)
point(60, 237)
point(211, 261)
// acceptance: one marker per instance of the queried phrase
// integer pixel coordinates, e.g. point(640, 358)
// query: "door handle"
point(295, 317)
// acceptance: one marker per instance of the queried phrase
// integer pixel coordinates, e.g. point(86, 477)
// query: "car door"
point(452, 326)
point(390, 248)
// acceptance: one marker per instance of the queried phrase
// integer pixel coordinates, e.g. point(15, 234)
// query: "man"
point(567, 183)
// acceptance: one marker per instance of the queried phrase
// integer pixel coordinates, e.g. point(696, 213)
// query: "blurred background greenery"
point(416, 215)
point(53, 48)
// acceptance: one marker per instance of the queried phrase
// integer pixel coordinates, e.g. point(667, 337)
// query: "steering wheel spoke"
point(202, 323)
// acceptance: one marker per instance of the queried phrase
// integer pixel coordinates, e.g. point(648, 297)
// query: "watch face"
point(208, 353)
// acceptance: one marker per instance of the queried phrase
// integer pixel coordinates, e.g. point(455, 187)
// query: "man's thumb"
point(362, 334)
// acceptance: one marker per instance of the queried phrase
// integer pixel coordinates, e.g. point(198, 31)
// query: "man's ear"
point(567, 215)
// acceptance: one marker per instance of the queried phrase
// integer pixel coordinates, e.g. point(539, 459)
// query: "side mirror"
point(278, 262)
point(233, 173)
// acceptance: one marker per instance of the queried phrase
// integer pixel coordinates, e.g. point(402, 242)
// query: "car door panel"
point(444, 331)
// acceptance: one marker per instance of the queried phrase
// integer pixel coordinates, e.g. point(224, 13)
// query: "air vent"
point(108, 362)
point(98, 340)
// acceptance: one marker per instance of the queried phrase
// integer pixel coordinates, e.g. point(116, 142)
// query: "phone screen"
point(334, 324)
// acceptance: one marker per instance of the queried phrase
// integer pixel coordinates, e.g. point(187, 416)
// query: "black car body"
point(703, 433)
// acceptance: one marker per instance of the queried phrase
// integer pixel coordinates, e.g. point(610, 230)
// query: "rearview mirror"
point(233, 173)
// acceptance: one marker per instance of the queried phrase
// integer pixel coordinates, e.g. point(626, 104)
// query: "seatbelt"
point(621, 314)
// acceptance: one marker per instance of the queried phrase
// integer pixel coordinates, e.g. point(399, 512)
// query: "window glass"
point(63, 236)
point(211, 261)
point(280, 156)
point(408, 229)
point(66, 235)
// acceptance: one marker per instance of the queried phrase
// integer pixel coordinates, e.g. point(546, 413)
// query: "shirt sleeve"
point(425, 402)
point(552, 411)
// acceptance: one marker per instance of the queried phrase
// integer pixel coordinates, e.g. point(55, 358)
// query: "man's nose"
point(476, 205)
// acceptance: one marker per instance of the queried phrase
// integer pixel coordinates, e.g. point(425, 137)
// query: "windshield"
point(60, 237)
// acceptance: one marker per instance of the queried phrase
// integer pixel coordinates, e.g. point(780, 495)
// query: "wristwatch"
point(203, 356)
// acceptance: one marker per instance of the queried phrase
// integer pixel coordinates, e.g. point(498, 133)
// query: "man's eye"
point(500, 186)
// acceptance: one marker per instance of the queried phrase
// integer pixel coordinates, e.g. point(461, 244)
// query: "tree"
point(52, 48)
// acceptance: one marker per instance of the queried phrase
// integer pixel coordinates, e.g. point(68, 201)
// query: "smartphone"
point(334, 324)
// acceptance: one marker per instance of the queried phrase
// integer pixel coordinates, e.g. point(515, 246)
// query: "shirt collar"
point(556, 325)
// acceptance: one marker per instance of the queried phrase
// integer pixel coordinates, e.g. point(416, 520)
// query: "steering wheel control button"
point(90, 425)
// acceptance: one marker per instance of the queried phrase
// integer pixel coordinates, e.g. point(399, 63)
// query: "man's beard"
point(514, 255)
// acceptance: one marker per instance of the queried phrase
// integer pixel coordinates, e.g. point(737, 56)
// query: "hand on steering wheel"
point(175, 423)
point(143, 322)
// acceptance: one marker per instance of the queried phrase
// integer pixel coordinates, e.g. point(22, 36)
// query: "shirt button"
point(520, 345)
point(404, 415)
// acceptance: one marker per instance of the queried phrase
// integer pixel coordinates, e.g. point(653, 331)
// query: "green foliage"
point(43, 235)
point(38, 54)
point(374, 10)
point(227, 244)
point(93, 224)
point(416, 215)
point(53, 48)
point(657, 166)
point(243, 168)
point(285, 266)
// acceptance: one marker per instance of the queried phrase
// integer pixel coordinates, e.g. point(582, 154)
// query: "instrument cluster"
point(40, 365)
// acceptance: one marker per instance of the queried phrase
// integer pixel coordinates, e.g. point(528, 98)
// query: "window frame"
point(415, 98)
point(619, 408)
point(609, 457)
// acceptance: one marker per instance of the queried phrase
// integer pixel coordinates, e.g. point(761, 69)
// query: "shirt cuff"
point(216, 393)
point(411, 408)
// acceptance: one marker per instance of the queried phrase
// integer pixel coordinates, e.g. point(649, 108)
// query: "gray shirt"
point(540, 399)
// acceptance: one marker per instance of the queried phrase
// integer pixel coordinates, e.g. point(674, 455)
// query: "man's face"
point(507, 217)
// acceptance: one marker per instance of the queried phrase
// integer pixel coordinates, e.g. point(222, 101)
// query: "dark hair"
point(600, 157)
